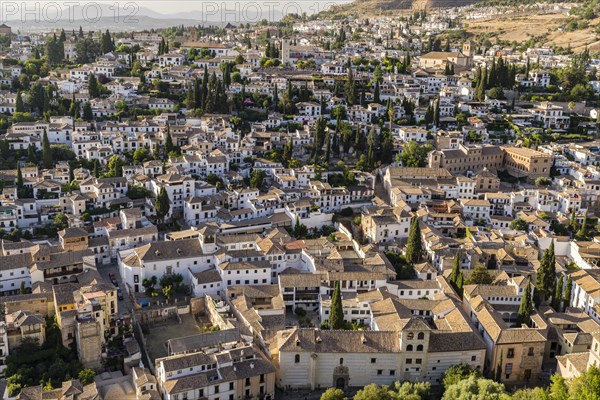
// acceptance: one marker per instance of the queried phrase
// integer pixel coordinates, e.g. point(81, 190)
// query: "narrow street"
point(125, 305)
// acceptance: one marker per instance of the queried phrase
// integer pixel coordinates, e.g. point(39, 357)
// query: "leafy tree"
point(86, 376)
point(142, 154)
point(496, 93)
point(373, 391)
point(333, 394)
point(336, 312)
point(474, 388)
point(518, 224)
point(115, 166)
point(350, 89)
point(559, 390)
point(138, 192)
point(162, 204)
point(526, 307)
point(257, 178)
point(480, 276)
point(414, 247)
point(414, 155)
point(411, 390)
point(149, 283)
point(531, 394)
point(543, 181)
point(587, 385)
point(22, 289)
point(457, 373)
point(47, 158)
point(61, 220)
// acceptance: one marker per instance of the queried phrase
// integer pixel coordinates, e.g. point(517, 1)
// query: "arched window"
point(420, 347)
point(409, 347)
point(297, 358)
point(421, 336)
point(341, 361)
point(410, 336)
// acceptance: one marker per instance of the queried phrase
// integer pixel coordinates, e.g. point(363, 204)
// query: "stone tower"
point(89, 343)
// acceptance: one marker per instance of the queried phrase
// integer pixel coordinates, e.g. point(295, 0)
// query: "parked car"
point(113, 279)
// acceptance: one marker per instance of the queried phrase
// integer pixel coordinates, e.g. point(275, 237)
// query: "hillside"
point(375, 7)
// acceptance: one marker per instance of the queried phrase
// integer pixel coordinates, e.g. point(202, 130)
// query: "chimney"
point(157, 253)
point(178, 251)
point(251, 365)
point(363, 338)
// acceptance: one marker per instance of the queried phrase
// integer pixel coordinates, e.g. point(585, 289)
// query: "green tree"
point(460, 283)
point(411, 390)
point(372, 392)
point(558, 294)
point(336, 312)
point(142, 154)
point(61, 220)
point(414, 247)
point(480, 276)
point(587, 385)
point(47, 158)
point(457, 373)
point(162, 204)
point(414, 155)
point(19, 106)
point(88, 115)
point(350, 89)
point(567, 294)
point(498, 375)
point(582, 233)
point(453, 277)
point(19, 176)
point(474, 388)
point(526, 307)
point(546, 273)
point(22, 289)
point(559, 390)
point(333, 394)
point(518, 224)
point(93, 88)
point(86, 376)
point(257, 178)
point(115, 166)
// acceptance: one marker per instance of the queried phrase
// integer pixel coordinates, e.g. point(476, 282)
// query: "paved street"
point(125, 305)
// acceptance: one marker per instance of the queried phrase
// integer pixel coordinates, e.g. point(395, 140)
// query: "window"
point(379, 372)
point(297, 358)
point(420, 347)
point(392, 372)
point(530, 352)
point(510, 353)
point(409, 360)
point(230, 385)
point(409, 347)
point(373, 360)
point(341, 361)
point(418, 361)
point(473, 358)
point(421, 336)
point(217, 389)
point(410, 336)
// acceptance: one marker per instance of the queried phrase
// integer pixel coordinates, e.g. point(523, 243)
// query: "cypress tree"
point(162, 204)
point(19, 176)
point(556, 299)
point(526, 308)
point(327, 146)
point(376, 94)
point(460, 283)
point(453, 277)
point(169, 142)
point(19, 107)
point(336, 312)
point(88, 115)
point(414, 245)
point(567, 294)
point(46, 151)
point(581, 234)
point(546, 274)
point(31, 155)
point(499, 368)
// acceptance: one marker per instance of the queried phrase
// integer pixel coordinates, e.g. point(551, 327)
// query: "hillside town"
point(375, 208)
